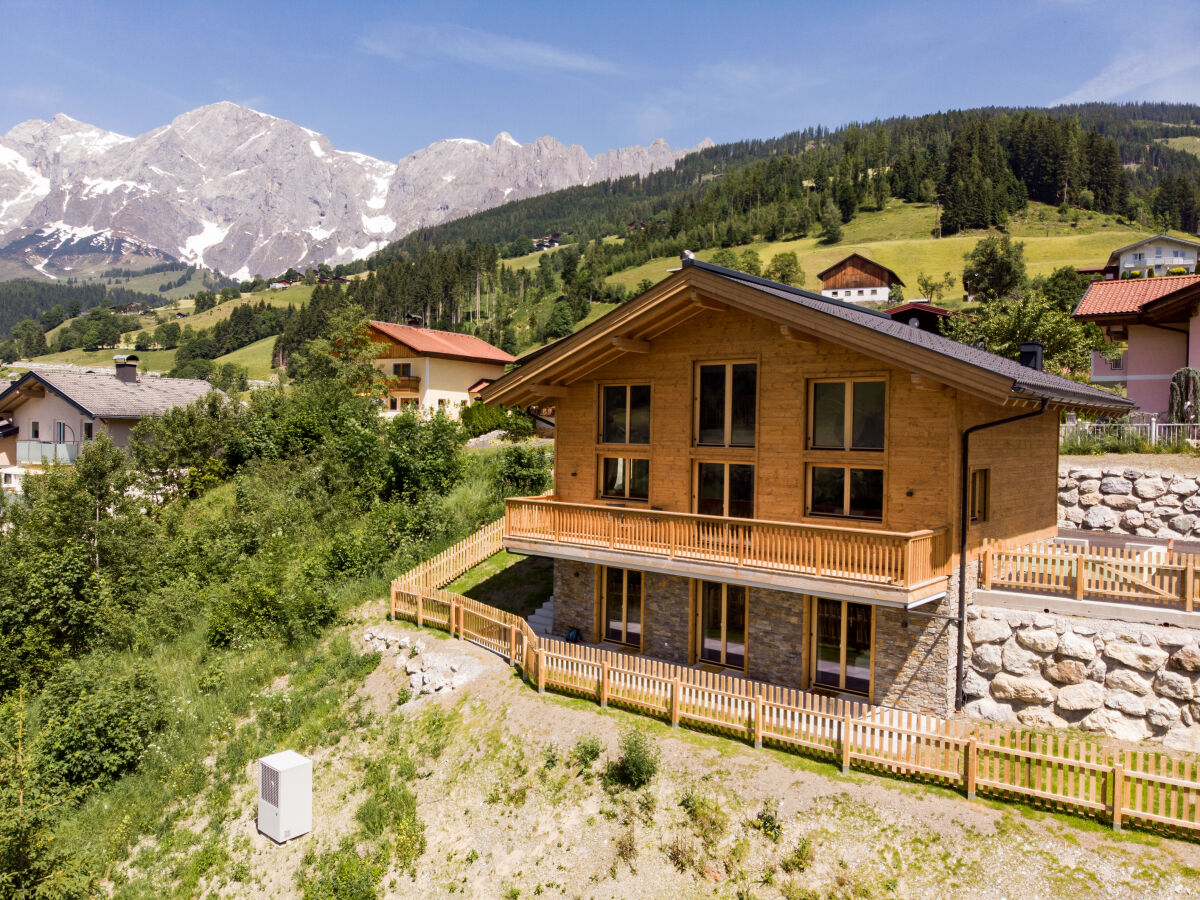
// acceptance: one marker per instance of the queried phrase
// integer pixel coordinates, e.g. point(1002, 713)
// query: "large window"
point(847, 415)
point(845, 491)
point(622, 478)
point(35, 431)
point(980, 491)
point(402, 370)
point(726, 404)
point(725, 489)
point(842, 655)
point(625, 414)
point(622, 606)
point(722, 637)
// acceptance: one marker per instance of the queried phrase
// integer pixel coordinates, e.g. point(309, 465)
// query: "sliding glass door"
point(842, 651)
point(722, 637)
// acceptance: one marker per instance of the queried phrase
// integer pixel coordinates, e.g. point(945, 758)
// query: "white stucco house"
point(1158, 255)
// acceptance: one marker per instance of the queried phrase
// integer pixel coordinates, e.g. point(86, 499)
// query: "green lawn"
point(255, 357)
point(150, 360)
point(1191, 144)
point(519, 584)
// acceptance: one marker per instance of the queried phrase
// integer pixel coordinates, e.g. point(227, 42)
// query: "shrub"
point(479, 418)
point(404, 695)
point(638, 763)
point(586, 751)
point(523, 471)
point(767, 821)
point(799, 859)
point(709, 820)
point(339, 875)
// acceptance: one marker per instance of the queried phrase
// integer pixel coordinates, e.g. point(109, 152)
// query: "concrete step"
point(542, 619)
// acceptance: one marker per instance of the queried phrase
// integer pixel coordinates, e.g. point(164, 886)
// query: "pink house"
point(1159, 321)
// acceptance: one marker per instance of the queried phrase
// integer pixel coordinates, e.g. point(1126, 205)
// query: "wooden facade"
point(856, 271)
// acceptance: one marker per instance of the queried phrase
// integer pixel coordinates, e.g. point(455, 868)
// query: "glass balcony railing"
point(36, 453)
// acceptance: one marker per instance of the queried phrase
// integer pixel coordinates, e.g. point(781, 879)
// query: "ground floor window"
point(622, 606)
point(842, 646)
point(722, 631)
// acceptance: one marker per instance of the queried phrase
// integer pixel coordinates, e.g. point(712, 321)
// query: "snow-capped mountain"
point(244, 193)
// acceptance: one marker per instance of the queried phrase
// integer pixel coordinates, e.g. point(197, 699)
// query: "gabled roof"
point(479, 385)
point(1115, 256)
point(444, 344)
point(104, 396)
point(892, 276)
point(1129, 296)
point(894, 311)
point(698, 286)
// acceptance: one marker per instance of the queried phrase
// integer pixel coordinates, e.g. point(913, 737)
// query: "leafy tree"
point(167, 335)
point(143, 341)
point(750, 262)
point(994, 268)
point(725, 257)
point(1064, 287)
point(785, 267)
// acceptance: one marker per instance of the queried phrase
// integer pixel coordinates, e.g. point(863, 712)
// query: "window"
point(625, 414)
point(622, 606)
point(402, 369)
point(34, 431)
point(722, 637)
point(60, 432)
point(846, 491)
point(860, 293)
point(847, 415)
point(442, 403)
point(842, 655)
point(726, 404)
point(86, 429)
point(725, 490)
point(980, 495)
point(624, 479)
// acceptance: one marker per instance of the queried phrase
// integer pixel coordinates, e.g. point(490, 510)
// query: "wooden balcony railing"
point(903, 559)
point(409, 383)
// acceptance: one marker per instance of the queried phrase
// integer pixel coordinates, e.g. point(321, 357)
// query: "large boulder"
point(1043, 640)
point(1027, 689)
point(1128, 680)
point(988, 710)
point(1186, 739)
point(1019, 661)
point(1076, 646)
point(1183, 486)
point(1123, 701)
point(1115, 725)
point(987, 658)
point(1172, 684)
point(1163, 714)
point(1149, 488)
point(1042, 717)
point(1065, 671)
point(1120, 502)
point(974, 684)
point(988, 631)
point(1077, 697)
point(1136, 656)
point(1182, 523)
point(1187, 658)
point(1114, 484)
point(1099, 517)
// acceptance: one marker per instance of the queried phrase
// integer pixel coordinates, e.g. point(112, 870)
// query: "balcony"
point(36, 453)
point(404, 384)
point(894, 568)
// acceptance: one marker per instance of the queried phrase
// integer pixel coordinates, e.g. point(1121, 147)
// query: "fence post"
point(846, 741)
point(1079, 576)
point(758, 720)
point(420, 608)
point(458, 633)
point(1118, 789)
point(541, 670)
point(985, 570)
point(512, 645)
point(1189, 590)
point(972, 766)
point(395, 591)
point(604, 683)
point(676, 689)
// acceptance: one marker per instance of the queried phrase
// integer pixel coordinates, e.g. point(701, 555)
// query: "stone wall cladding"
point(1127, 681)
point(1141, 502)
point(776, 628)
point(575, 598)
point(665, 617)
point(914, 665)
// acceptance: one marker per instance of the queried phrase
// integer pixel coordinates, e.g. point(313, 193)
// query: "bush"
point(767, 821)
point(523, 472)
point(638, 763)
point(586, 751)
point(799, 859)
point(479, 418)
point(339, 875)
point(709, 820)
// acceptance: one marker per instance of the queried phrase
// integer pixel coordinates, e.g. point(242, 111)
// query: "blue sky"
point(388, 78)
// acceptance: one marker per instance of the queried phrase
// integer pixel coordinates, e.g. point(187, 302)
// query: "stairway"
point(542, 621)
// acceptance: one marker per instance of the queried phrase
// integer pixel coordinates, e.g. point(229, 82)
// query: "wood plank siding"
point(856, 272)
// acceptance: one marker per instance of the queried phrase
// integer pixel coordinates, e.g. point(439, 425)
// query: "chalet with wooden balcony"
point(434, 370)
point(759, 479)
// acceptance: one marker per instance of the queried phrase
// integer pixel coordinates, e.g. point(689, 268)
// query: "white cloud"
point(1168, 69)
point(496, 51)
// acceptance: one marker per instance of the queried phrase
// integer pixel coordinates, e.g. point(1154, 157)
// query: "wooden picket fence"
point(1149, 788)
point(1153, 576)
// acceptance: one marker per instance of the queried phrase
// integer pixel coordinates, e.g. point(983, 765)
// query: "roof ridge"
point(778, 285)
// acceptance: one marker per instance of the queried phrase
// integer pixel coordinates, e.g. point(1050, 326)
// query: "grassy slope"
point(1190, 144)
point(255, 357)
point(151, 360)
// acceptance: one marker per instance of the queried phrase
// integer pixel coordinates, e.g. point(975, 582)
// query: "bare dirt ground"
point(509, 814)
point(1165, 463)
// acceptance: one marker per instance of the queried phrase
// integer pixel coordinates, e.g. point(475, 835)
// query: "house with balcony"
point(756, 479)
point(1158, 255)
point(1156, 321)
point(46, 416)
point(434, 370)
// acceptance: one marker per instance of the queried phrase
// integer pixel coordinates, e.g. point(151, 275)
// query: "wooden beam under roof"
point(795, 334)
point(631, 345)
point(549, 390)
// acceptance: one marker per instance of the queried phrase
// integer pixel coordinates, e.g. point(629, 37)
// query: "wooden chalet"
point(758, 479)
point(918, 314)
point(857, 279)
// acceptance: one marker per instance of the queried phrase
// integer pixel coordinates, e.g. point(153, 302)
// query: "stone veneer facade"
point(1129, 501)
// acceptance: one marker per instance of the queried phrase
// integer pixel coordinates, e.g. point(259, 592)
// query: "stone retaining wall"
point(1127, 681)
point(1129, 501)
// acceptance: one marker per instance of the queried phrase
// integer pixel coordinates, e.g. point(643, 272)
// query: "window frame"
point(698, 630)
point(725, 464)
point(846, 468)
point(35, 430)
point(87, 431)
point(727, 428)
point(847, 413)
point(603, 585)
point(629, 459)
point(981, 476)
point(402, 374)
point(628, 385)
point(813, 655)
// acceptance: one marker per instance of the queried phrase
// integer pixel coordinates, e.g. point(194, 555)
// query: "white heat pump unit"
point(284, 795)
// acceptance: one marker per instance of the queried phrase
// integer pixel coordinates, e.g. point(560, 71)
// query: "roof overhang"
point(29, 387)
point(693, 291)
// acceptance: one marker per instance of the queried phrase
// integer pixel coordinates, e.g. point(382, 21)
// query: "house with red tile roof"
point(435, 370)
point(1156, 318)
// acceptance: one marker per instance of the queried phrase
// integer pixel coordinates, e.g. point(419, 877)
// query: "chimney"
point(126, 368)
point(1031, 355)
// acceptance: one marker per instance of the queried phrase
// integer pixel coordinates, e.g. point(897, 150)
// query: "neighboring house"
point(46, 416)
point(756, 479)
point(432, 370)
point(920, 314)
point(1156, 255)
point(1157, 319)
point(857, 279)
